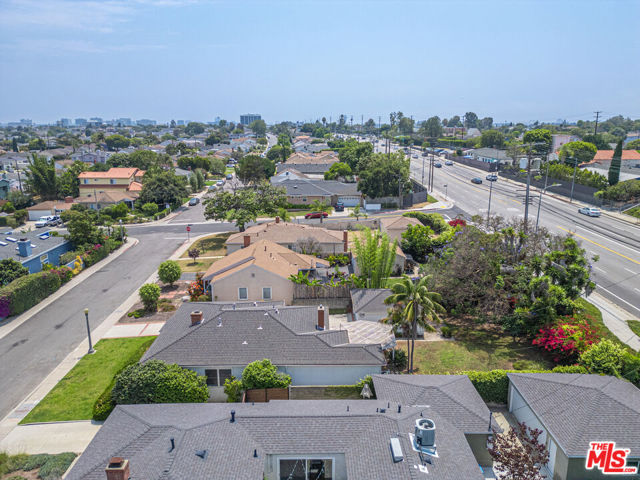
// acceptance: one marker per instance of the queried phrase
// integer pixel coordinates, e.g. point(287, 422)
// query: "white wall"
point(254, 278)
point(329, 375)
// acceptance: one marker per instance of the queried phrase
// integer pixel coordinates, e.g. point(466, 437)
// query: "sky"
point(516, 60)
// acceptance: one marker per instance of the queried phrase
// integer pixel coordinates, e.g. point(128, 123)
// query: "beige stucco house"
point(123, 180)
point(394, 227)
point(258, 272)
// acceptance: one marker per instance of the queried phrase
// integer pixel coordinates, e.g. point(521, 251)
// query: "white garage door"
point(523, 413)
point(349, 201)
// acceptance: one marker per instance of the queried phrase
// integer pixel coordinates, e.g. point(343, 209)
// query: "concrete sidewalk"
point(615, 319)
point(51, 438)
point(141, 329)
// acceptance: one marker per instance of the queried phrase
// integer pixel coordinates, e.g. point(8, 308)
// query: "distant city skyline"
point(188, 59)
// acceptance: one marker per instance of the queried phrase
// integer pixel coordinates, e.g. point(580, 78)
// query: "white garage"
point(349, 200)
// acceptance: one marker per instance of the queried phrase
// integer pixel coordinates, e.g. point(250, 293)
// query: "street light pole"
point(489, 207)
point(86, 318)
point(445, 191)
point(573, 181)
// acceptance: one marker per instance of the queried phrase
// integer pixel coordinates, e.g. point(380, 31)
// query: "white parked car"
point(590, 211)
point(44, 221)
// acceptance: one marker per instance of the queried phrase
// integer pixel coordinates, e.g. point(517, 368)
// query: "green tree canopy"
point(252, 169)
point(10, 270)
point(41, 177)
point(81, 228)
point(470, 120)
point(264, 374)
point(116, 142)
point(375, 257)
point(582, 152)
point(69, 182)
point(432, 128)
point(354, 152)
point(338, 170)
point(492, 138)
point(380, 175)
point(160, 187)
point(541, 136)
point(616, 162)
point(259, 127)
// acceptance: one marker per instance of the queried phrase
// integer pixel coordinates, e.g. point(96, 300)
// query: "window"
point(266, 293)
point(212, 377)
point(305, 469)
point(86, 180)
point(112, 181)
point(243, 293)
point(216, 378)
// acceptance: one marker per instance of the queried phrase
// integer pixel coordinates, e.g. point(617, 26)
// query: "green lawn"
point(634, 325)
point(210, 246)
point(593, 316)
point(229, 170)
point(634, 212)
point(73, 397)
point(201, 265)
point(475, 349)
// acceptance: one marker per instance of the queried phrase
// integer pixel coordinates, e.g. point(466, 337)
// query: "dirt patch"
point(30, 475)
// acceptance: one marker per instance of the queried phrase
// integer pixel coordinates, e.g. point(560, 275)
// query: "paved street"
point(31, 351)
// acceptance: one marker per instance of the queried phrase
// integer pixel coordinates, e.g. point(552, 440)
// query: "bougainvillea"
point(457, 222)
point(196, 289)
point(566, 339)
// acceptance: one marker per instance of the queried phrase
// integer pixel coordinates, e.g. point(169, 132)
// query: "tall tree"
point(382, 175)
point(616, 163)
point(116, 142)
point(541, 137)
point(161, 187)
point(492, 138)
point(583, 152)
point(254, 168)
point(486, 123)
point(375, 256)
point(69, 183)
point(431, 128)
point(42, 178)
point(470, 120)
point(259, 127)
point(405, 125)
point(517, 453)
point(421, 306)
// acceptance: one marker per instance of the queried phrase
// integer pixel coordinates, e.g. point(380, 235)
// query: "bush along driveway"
point(74, 396)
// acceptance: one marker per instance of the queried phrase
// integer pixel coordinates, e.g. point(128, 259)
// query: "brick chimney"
point(345, 239)
point(68, 199)
point(277, 219)
point(196, 317)
point(247, 241)
point(117, 469)
point(320, 325)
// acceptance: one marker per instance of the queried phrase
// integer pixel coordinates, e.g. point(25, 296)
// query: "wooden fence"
point(262, 395)
point(319, 292)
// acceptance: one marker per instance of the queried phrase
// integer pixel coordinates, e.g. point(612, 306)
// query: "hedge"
point(25, 292)
point(493, 386)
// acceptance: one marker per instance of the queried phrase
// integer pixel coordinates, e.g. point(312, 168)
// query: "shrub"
point(368, 381)
point(169, 272)
point(435, 221)
point(264, 374)
point(447, 332)
point(233, 389)
point(631, 368)
point(20, 216)
point(150, 209)
point(149, 294)
point(396, 359)
point(493, 386)
point(458, 222)
point(566, 339)
point(104, 405)
point(15, 462)
point(196, 288)
point(35, 461)
point(569, 369)
point(523, 365)
point(10, 270)
point(56, 465)
point(604, 357)
point(339, 260)
point(158, 382)
point(25, 292)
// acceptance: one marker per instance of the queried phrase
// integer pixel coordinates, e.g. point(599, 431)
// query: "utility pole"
point(19, 180)
point(546, 179)
point(526, 197)
point(489, 207)
point(595, 131)
point(573, 180)
point(400, 192)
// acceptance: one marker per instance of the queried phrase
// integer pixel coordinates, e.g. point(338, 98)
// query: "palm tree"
point(420, 306)
point(358, 213)
point(319, 206)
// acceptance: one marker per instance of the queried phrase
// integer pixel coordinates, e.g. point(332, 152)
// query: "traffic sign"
point(188, 229)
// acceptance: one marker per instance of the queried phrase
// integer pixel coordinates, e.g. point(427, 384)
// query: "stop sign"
point(188, 229)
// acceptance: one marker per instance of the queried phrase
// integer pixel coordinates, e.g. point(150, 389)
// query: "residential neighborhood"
point(422, 266)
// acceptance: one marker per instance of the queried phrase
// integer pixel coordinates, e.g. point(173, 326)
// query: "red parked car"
point(316, 215)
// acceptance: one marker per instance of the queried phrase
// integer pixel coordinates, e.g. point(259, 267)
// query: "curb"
point(23, 317)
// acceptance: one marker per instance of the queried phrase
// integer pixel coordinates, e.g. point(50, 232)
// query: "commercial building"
point(249, 118)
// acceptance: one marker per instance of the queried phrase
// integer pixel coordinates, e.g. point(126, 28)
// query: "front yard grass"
point(593, 316)
point(476, 347)
point(634, 325)
point(201, 265)
point(73, 397)
point(210, 246)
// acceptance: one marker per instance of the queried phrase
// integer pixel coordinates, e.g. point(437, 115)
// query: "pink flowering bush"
point(566, 339)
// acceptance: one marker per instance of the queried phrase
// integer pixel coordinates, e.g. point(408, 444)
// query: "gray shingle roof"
point(369, 299)
point(353, 428)
point(453, 396)
point(318, 187)
point(578, 409)
point(287, 338)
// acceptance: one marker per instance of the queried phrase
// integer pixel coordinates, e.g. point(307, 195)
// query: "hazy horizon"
point(302, 60)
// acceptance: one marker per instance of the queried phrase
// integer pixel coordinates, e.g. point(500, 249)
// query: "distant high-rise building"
point(145, 122)
point(64, 122)
point(26, 122)
point(81, 122)
point(124, 121)
point(96, 120)
point(249, 118)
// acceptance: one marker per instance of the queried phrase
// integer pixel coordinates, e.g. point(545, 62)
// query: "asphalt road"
point(31, 351)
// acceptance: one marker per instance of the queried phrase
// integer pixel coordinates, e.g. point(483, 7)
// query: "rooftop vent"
point(396, 450)
point(233, 416)
point(173, 444)
point(202, 453)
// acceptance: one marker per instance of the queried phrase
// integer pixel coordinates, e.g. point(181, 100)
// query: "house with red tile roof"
point(116, 182)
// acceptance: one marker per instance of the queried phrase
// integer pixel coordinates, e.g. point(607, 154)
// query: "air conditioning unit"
point(425, 431)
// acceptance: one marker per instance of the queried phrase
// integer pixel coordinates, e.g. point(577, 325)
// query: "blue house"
point(33, 249)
